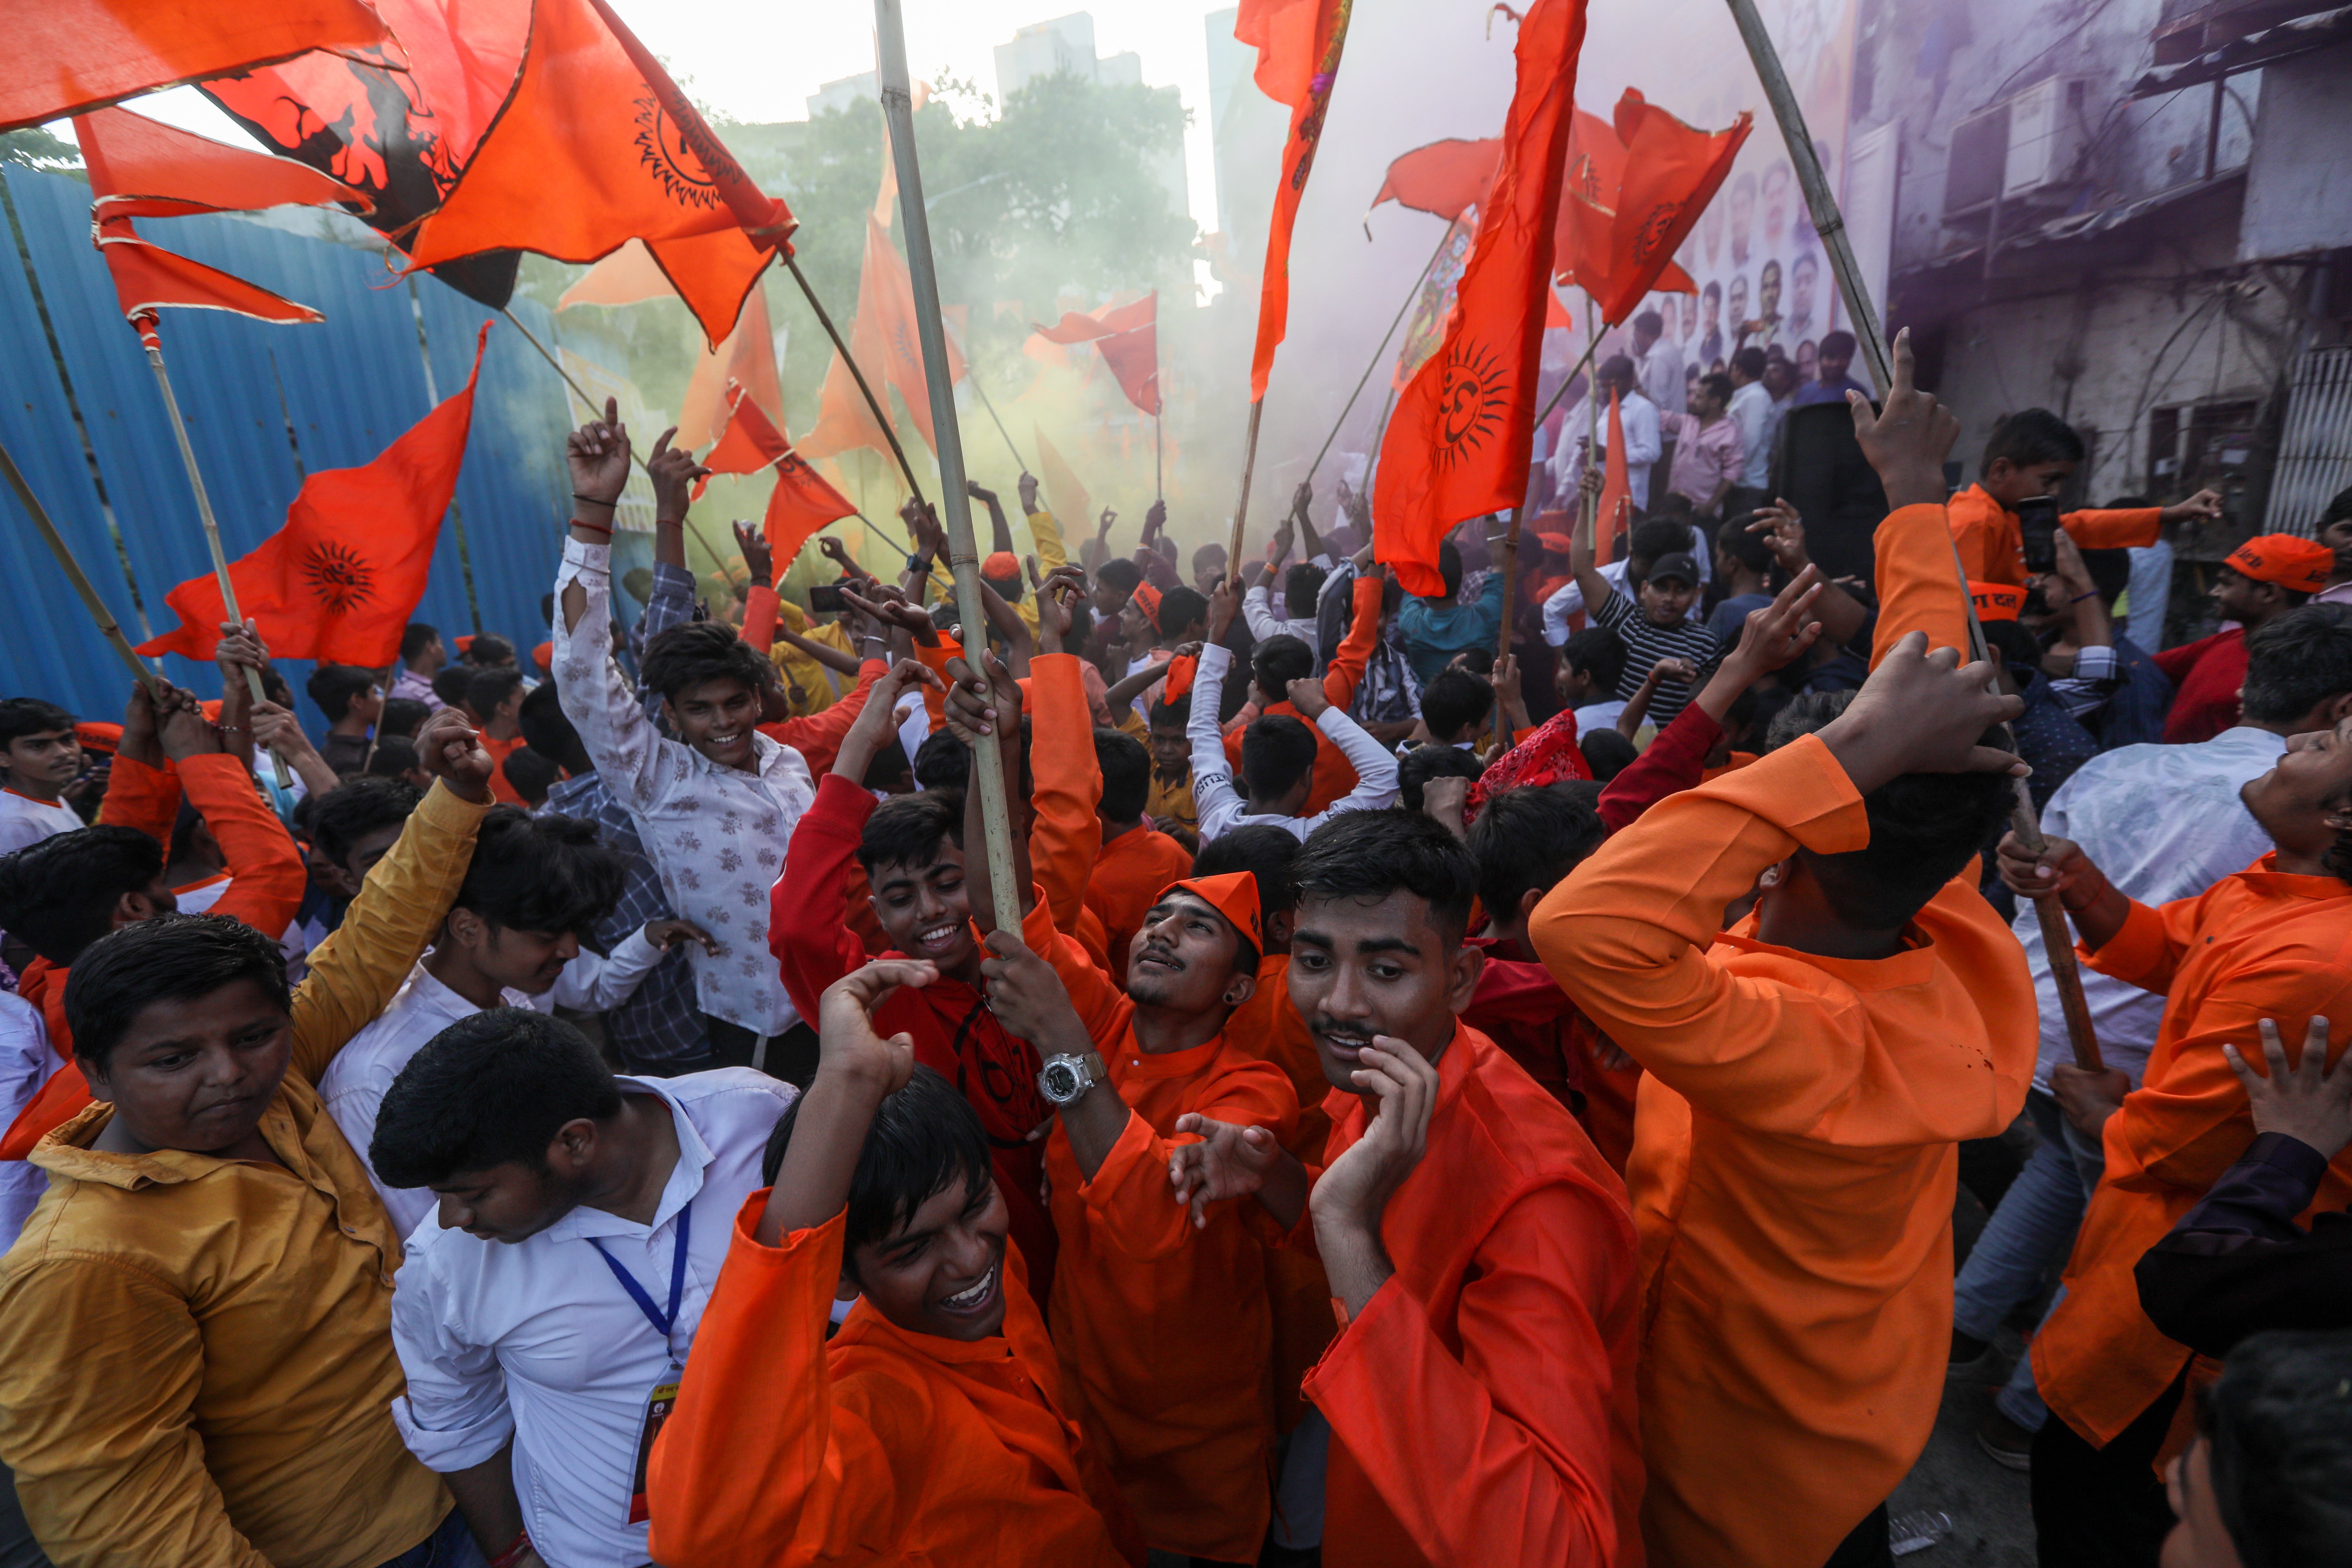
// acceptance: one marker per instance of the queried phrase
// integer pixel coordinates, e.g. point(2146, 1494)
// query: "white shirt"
point(716, 835)
point(1662, 375)
point(1258, 609)
point(1221, 806)
point(539, 1342)
point(356, 1082)
point(2163, 823)
point(1639, 417)
point(26, 1063)
point(1568, 598)
point(1595, 716)
point(1751, 410)
point(26, 821)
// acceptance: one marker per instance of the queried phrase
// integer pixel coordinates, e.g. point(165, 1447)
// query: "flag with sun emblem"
point(340, 580)
point(1465, 426)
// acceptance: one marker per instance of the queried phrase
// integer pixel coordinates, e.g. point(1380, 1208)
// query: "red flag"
point(595, 146)
point(1459, 441)
point(747, 360)
point(1128, 337)
point(1298, 44)
point(69, 56)
point(1616, 488)
point(885, 338)
point(1672, 172)
point(748, 440)
point(800, 503)
point(341, 579)
point(1446, 178)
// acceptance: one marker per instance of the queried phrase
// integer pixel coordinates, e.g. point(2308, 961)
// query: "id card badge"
point(659, 1405)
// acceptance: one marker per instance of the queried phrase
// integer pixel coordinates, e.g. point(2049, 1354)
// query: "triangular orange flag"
point(69, 56)
point(340, 581)
point(1447, 178)
point(1127, 338)
point(844, 421)
point(747, 360)
point(595, 146)
point(748, 440)
point(800, 505)
point(1459, 441)
point(1298, 44)
point(1616, 488)
point(884, 338)
point(1672, 172)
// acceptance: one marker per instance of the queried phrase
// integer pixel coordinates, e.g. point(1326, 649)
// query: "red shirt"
point(2207, 675)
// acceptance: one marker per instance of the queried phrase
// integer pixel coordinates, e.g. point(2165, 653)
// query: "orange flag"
point(1447, 178)
point(1062, 488)
point(843, 422)
point(884, 338)
point(1616, 489)
point(1672, 172)
point(595, 146)
point(747, 360)
point(1128, 337)
point(800, 504)
point(1459, 441)
point(748, 440)
point(143, 168)
point(1297, 44)
point(340, 580)
point(1584, 241)
point(69, 56)
point(630, 276)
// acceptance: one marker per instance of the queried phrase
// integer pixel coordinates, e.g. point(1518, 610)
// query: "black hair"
point(2110, 571)
point(1616, 368)
point(1277, 750)
point(449, 684)
point(1120, 573)
point(1300, 586)
point(2278, 1425)
point(172, 957)
point(1649, 321)
point(1750, 362)
point(1598, 652)
point(1607, 752)
point(490, 649)
point(58, 896)
point(908, 830)
point(414, 638)
point(1530, 838)
point(391, 758)
point(1179, 608)
point(547, 609)
point(334, 686)
point(530, 773)
point(2030, 436)
point(687, 656)
point(491, 1089)
point(1924, 828)
point(1659, 536)
point(1449, 565)
point(1454, 702)
point(1126, 764)
point(1372, 853)
point(401, 719)
point(1748, 549)
point(489, 687)
point(1477, 660)
point(1210, 551)
point(1279, 661)
point(1422, 763)
point(539, 873)
point(2018, 648)
point(1718, 386)
point(2339, 507)
point(942, 762)
point(23, 716)
point(1266, 852)
point(546, 730)
point(357, 807)
point(2296, 661)
point(1837, 344)
point(1176, 710)
point(922, 1139)
point(889, 764)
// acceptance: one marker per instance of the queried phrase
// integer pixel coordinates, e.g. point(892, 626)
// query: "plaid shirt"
point(659, 1022)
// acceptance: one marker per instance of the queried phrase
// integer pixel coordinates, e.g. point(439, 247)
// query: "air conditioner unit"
point(2045, 136)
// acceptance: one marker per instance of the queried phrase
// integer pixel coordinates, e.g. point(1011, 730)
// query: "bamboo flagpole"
point(284, 774)
point(1830, 223)
point(107, 627)
point(988, 768)
point(1241, 508)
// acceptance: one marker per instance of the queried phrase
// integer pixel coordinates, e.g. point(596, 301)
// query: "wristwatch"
point(919, 563)
point(1064, 1080)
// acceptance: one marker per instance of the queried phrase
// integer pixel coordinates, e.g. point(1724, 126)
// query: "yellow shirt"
point(816, 681)
point(1173, 801)
point(1051, 557)
point(195, 1354)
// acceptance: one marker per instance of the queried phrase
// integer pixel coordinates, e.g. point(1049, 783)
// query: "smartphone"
point(824, 599)
point(2037, 520)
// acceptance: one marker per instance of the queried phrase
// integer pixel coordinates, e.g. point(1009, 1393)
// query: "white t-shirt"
point(26, 821)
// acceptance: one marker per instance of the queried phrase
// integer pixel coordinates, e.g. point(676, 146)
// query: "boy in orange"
point(2272, 943)
point(1809, 1074)
point(1480, 1391)
point(932, 1427)
point(2032, 454)
point(1136, 860)
point(1163, 1327)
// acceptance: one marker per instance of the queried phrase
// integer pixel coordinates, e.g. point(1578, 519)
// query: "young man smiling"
point(933, 1428)
point(575, 1210)
point(195, 1355)
point(1481, 1258)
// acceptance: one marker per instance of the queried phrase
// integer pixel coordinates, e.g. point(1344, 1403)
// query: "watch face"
point(1060, 1082)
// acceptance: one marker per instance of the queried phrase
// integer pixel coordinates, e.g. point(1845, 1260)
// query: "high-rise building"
point(1246, 128)
point(863, 86)
point(1067, 46)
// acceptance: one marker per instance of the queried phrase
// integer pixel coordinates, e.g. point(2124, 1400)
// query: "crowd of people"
point(1428, 1090)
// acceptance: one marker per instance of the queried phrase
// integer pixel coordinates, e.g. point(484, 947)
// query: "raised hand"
point(831, 548)
point(1779, 633)
point(2306, 1101)
point(1784, 535)
point(1028, 998)
point(1055, 595)
point(451, 749)
point(1909, 438)
point(985, 496)
point(673, 471)
point(1155, 519)
point(598, 455)
point(887, 605)
point(1224, 604)
point(2205, 506)
point(1922, 712)
point(758, 559)
point(1028, 488)
point(181, 727)
point(849, 1047)
point(978, 704)
point(1305, 694)
point(1229, 1161)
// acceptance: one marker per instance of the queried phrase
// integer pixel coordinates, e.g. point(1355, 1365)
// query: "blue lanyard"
point(662, 1322)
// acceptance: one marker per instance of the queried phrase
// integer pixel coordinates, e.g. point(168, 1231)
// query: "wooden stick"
point(973, 378)
point(285, 775)
point(1379, 353)
point(1831, 225)
point(1241, 508)
point(881, 415)
point(987, 761)
point(1503, 638)
point(107, 627)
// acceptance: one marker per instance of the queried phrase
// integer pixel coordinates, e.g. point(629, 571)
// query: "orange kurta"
point(1482, 1404)
point(1067, 833)
point(1334, 774)
point(499, 750)
point(1793, 1161)
point(883, 1446)
point(2261, 945)
point(1130, 872)
point(1992, 547)
point(1165, 1332)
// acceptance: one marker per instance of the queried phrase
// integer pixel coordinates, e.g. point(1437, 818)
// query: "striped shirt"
point(1645, 644)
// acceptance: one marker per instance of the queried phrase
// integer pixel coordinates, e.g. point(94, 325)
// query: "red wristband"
point(593, 528)
point(517, 1549)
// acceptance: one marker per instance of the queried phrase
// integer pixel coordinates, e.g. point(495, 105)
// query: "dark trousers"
point(790, 1056)
point(1869, 1546)
point(2103, 1508)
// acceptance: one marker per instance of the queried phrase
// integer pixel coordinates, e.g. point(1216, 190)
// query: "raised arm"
point(1375, 764)
point(1355, 650)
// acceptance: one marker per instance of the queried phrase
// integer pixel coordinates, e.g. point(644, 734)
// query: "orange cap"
point(1233, 896)
point(1996, 601)
point(2301, 565)
point(465, 642)
point(1147, 599)
point(543, 656)
point(1002, 566)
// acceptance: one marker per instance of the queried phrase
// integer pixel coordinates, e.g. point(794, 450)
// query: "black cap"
point(1679, 565)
